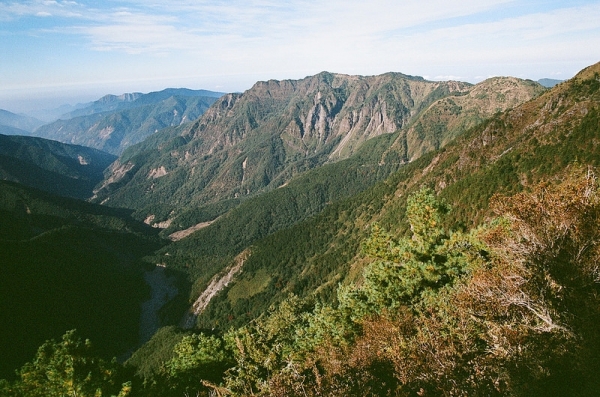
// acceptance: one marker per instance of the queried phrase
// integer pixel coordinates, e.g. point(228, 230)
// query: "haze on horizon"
point(63, 51)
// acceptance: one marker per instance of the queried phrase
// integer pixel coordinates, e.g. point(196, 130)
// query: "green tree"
point(69, 368)
point(406, 270)
point(267, 347)
point(200, 360)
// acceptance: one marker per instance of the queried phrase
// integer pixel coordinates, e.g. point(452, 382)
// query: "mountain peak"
point(127, 97)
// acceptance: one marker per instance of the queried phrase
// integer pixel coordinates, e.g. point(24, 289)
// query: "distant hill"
point(549, 83)
point(49, 115)
point(114, 123)
point(66, 170)
point(111, 103)
point(11, 122)
point(105, 104)
point(7, 130)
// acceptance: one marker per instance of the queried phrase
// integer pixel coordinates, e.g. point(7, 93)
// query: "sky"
point(62, 51)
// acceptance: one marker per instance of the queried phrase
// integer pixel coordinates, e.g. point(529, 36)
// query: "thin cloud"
point(138, 38)
point(13, 10)
point(186, 23)
point(221, 41)
point(570, 33)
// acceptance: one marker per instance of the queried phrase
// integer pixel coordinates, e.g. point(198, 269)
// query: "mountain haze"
point(549, 83)
point(111, 103)
point(17, 122)
point(107, 103)
point(8, 130)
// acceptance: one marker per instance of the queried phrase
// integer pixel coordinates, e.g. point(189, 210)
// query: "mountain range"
point(114, 123)
point(111, 103)
point(259, 140)
point(549, 83)
point(15, 124)
point(276, 194)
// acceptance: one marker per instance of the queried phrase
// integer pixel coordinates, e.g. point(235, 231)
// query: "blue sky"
point(62, 51)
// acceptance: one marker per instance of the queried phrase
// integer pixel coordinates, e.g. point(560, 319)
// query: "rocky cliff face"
point(246, 143)
point(329, 113)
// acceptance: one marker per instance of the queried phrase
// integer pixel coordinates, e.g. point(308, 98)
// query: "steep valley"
point(68, 264)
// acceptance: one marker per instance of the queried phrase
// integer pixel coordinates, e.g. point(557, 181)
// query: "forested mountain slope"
point(59, 168)
point(506, 154)
point(423, 284)
point(472, 270)
point(68, 264)
point(259, 140)
point(550, 139)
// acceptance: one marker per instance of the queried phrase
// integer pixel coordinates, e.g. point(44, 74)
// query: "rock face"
point(246, 143)
point(328, 113)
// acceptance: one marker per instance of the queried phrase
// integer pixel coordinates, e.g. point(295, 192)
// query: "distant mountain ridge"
point(258, 140)
point(109, 103)
point(114, 123)
point(549, 83)
point(105, 104)
point(7, 130)
point(16, 123)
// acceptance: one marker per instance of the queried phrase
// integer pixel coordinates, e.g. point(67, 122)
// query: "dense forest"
point(507, 308)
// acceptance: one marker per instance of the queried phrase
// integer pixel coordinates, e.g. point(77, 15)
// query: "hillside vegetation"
point(543, 141)
point(68, 264)
point(507, 154)
point(508, 308)
point(66, 170)
point(468, 268)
